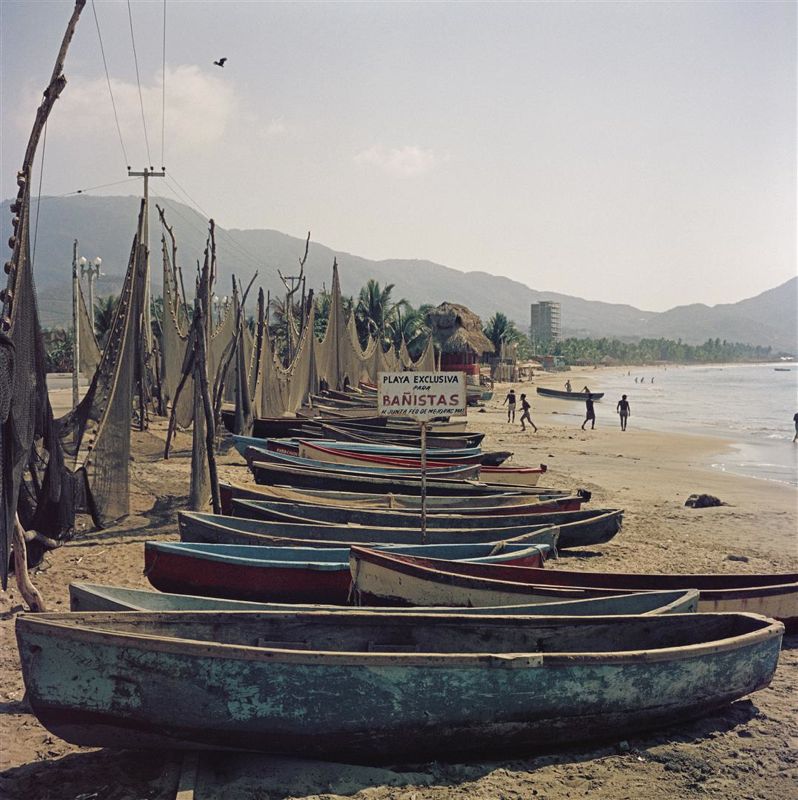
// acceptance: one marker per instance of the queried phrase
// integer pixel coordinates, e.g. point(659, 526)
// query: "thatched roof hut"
point(457, 330)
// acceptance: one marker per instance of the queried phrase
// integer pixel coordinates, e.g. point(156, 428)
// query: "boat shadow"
point(242, 776)
point(163, 514)
point(578, 555)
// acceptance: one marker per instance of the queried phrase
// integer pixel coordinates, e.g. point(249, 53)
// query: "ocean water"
point(750, 404)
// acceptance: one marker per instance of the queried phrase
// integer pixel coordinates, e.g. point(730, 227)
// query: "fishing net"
point(100, 425)
point(88, 350)
point(174, 340)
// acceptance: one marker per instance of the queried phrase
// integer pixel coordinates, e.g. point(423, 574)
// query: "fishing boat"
point(399, 502)
point(560, 395)
point(584, 528)
point(439, 439)
point(774, 595)
point(290, 574)
point(270, 473)
point(547, 512)
point(512, 476)
point(426, 686)
point(257, 455)
point(196, 526)
point(335, 455)
point(96, 597)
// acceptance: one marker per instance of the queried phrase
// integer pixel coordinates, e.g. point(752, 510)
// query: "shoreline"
point(740, 451)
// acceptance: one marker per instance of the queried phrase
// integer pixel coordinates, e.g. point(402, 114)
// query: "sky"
point(640, 153)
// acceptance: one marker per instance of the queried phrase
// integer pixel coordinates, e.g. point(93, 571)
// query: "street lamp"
point(92, 269)
point(220, 304)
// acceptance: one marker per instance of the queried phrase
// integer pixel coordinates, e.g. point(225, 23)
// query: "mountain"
point(104, 226)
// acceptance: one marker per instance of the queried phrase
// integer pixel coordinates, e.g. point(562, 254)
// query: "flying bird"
point(220, 62)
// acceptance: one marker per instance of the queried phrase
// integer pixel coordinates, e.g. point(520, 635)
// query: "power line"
point(39, 198)
point(138, 82)
point(101, 186)
point(243, 250)
point(108, 81)
point(163, 88)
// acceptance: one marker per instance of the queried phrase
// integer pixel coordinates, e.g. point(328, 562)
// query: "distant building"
point(544, 330)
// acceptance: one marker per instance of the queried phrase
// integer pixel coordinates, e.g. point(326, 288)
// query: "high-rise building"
point(544, 330)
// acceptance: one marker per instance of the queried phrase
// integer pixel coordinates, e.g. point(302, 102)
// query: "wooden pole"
point(423, 483)
point(75, 329)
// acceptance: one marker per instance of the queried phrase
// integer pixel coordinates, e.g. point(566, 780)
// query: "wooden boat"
point(439, 439)
point(419, 580)
point(290, 574)
point(368, 448)
point(195, 526)
point(95, 597)
point(256, 455)
point(576, 528)
point(427, 686)
point(299, 476)
point(512, 476)
point(309, 449)
point(560, 395)
point(399, 502)
point(547, 512)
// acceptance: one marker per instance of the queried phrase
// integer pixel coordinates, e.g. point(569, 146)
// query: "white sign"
point(421, 394)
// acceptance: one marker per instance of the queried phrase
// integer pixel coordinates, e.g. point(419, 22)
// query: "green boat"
point(382, 687)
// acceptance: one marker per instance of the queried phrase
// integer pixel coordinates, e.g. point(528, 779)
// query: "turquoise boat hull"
point(382, 687)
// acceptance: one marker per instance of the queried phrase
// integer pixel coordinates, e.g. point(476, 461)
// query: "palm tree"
point(501, 331)
point(104, 310)
point(375, 311)
point(409, 324)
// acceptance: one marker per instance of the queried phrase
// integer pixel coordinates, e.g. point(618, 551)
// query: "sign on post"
point(422, 396)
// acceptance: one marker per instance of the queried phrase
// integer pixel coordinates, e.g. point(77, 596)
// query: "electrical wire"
point(236, 244)
point(39, 198)
point(163, 88)
point(110, 91)
point(138, 81)
point(100, 186)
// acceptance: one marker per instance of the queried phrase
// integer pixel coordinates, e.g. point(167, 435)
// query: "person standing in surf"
point(623, 410)
point(525, 409)
point(795, 420)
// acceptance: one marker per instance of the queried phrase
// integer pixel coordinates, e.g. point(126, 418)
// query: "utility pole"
point(147, 173)
point(75, 327)
point(92, 269)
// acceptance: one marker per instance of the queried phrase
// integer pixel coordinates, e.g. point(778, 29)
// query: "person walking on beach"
point(623, 410)
point(590, 412)
point(568, 386)
point(510, 400)
point(525, 408)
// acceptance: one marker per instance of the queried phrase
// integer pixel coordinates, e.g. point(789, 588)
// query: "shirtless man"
point(623, 411)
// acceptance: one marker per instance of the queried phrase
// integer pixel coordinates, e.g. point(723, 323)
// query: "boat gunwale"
point(683, 596)
point(403, 564)
point(58, 624)
point(192, 551)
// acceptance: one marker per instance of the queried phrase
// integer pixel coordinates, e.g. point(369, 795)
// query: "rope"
point(163, 87)
point(110, 92)
point(39, 198)
point(138, 82)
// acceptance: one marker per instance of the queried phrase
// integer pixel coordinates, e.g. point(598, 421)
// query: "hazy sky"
point(631, 152)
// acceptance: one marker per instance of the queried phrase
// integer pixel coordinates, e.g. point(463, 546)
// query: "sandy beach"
point(748, 750)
